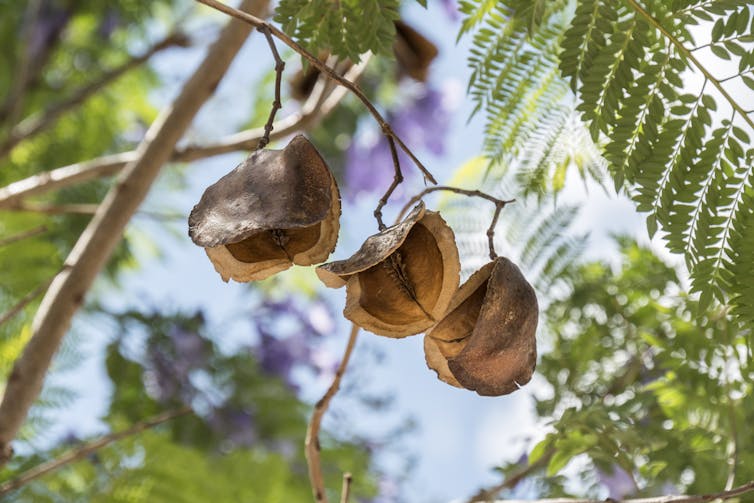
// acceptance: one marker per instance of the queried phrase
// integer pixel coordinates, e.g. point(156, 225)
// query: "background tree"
point(649, 384)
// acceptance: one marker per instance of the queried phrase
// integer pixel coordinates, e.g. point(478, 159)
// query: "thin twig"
point(499, 205)
point(491, 230)
point(312, 447)
point(54, 209)
point(456, 190)
point(397, 179)
point(316, 107)
point(345, 492)
point(702, 498)
point(88, 448)
point(276, 104)
point(96, 244)
point(327, 70)
point(30, 233)
point(36, 123)
point(25, 301)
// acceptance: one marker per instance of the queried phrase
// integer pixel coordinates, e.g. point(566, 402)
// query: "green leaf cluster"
point(346, 28)
point(652, 391)
point(515, 81)
point(675, 127)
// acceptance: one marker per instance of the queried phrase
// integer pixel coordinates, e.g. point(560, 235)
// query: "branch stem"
point(317, 106)
point(311, 445)
point(86, 449)
point(24, 301)
point(37, 123)
point(499, 205)
point(30, 233)
point(277, 103)
point(397, 179)
point(701, 498)
point(325, 69)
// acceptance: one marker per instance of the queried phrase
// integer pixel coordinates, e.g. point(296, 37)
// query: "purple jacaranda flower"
point(236, 425)
point(422, 122)
point(619, 483)
point(191, 349)
point(109, 22)
point(451, 9)
point(279, 355)
point(170, 361)
point(289, 334)
point(51, 22)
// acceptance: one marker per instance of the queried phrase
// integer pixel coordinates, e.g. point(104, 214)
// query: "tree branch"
point(24, 301)
point(345, 491)
point(276, 103)
point(36, 123)
point(397, 179)
point(95, 245)
point(54, 209)
point(86, 449)
point(499, 205)
point(319, 105)
point(702, 498)
point(312, 447)
point(30, 233)
point(327, 70)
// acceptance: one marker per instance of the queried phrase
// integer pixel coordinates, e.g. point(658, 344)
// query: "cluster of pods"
point(282, 207)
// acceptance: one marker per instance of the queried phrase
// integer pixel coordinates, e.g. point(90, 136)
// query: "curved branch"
point(36, 123)
point(702, 498)
point(261, 25)
point(95, 245)
point(312, 447)
point(86, 449)
point(320, 104)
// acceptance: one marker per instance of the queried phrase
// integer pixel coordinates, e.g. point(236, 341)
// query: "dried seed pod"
point(487, 336)
point(401, 280)
point(413, 51)
point(275, 209)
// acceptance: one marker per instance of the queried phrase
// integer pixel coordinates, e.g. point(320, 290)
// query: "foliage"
point(347, 28)
point(675, 135)
point(249, 423)
point(655, 394)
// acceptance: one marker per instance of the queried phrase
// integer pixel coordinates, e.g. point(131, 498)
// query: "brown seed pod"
point(413, 51)
point(487, 336)
point(401, 280)
point(275, 209)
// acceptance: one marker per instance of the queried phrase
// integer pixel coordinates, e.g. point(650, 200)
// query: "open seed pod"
point(486, 342)
point(401, 280)
point(275, 209)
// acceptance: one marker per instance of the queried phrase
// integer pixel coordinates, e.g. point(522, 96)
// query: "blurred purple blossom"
point(619, 483)
point(109, 22)
point(288, 337)
point(236, 425)
point(422, 123)
point(451, 9)
point(51, 22)
point(170, 361)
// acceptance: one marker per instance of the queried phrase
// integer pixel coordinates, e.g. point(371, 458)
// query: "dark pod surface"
point(501, 352)
point(273, 189)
